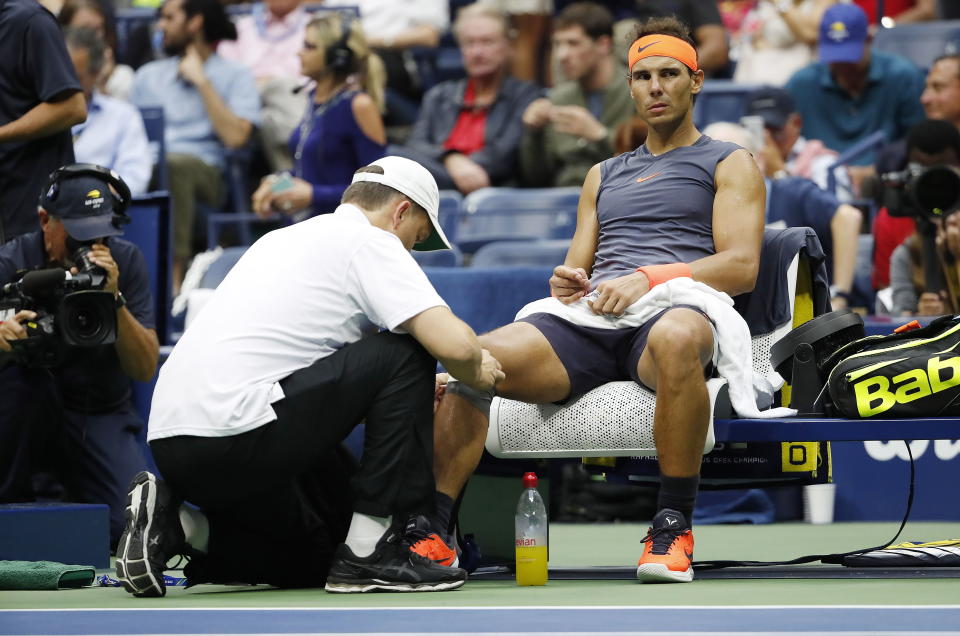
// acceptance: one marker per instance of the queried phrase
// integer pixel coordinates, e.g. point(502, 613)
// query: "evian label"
point(526, 542)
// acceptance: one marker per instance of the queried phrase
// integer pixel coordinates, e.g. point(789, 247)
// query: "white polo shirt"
point(297, 295)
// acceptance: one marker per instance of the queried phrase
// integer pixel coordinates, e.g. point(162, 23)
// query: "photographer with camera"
point(923, 268)
point(77, 326)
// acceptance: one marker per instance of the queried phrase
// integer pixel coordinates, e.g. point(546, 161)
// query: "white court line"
point(456, 608)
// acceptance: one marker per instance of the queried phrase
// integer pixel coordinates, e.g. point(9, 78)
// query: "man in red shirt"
point(468, 131)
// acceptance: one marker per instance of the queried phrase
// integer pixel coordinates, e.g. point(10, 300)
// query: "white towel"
point(735, 358)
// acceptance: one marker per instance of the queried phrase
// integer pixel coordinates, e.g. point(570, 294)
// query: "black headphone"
point(121, 198)
point(339, 55)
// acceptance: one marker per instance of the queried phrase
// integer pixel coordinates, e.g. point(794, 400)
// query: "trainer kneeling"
point(282, 362)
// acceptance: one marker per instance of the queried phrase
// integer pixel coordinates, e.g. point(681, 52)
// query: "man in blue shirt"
point(76, 419)
point(210, 105)
point(40, 99)
point(853, 91)
point(113, 135)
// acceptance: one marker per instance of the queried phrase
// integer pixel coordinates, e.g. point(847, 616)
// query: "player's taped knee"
point(479, 399)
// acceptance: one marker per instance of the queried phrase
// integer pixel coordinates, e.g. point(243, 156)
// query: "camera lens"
point(85, 324)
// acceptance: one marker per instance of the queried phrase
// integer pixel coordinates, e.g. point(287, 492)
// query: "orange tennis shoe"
point(667, 551)
point(429, 544)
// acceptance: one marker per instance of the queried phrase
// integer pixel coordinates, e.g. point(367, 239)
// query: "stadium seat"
point(721, 100)
point(153, 123)
point(921, 43)
point(512, 214)
point(616, 419)
point(546, 253)
point(450, 207)
point(150, 230)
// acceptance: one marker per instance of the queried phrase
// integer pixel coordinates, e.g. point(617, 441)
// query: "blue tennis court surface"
point(491, 620)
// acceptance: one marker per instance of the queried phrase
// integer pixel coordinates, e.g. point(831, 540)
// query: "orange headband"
point(665, 46)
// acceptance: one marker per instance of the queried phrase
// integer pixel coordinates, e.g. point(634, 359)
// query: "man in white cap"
point(321, 325)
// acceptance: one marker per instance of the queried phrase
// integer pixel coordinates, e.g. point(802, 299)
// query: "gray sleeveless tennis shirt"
point(656, 210)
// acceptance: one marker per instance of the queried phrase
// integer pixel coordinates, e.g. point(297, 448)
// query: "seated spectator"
point(572, 128)
point(900, 11)
point(703, 19)
point(940, 100)
point(113, 135)
point(115, 79)
point(798, 202)
point(268, 43)
point(393, 28)
point(930, 143)
point(210, 105)
point(341, 130)
point(786, 153)
point(853, 91)
point(469, 130)
point(777, 39)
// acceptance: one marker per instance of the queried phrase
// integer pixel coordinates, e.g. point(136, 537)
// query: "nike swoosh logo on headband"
point(640, 50)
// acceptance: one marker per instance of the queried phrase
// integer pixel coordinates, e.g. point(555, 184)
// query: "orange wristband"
point(657, 274)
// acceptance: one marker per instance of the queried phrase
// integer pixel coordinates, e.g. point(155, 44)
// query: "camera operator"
point(922, 268)
point(75, 418)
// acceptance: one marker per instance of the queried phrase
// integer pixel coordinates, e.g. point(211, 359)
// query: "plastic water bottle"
point(530, 524)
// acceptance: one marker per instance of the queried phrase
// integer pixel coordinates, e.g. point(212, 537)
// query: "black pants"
point(279, 498)
point(48, 451)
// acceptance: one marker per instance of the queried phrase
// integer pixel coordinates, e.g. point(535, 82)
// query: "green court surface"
point(599, 545)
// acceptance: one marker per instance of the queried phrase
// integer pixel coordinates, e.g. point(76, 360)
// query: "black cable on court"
point(831, 558)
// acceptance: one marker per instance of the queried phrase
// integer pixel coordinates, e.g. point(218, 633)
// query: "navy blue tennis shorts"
point(593, 356)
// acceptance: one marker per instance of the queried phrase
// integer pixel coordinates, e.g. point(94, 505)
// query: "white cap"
point(413, 180)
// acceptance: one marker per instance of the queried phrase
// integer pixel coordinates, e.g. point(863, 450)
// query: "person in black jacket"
point(468, 131)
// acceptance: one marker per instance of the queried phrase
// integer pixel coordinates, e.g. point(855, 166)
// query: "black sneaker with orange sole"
point(427, 543)
point(392, 567)
point(667, 550)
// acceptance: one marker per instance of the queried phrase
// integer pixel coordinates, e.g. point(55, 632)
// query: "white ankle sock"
point(364, 533)
point(196, 528)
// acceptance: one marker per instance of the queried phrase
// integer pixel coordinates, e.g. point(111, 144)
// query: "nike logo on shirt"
point(642, 179)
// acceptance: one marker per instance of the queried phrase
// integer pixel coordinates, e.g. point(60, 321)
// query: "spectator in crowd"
point(799, 202)
point(572, 128)
point(680, 206)
point(853, 91)
point(703, 19)
point(930, 143)
point(40, 99)
point(940, 100)
point(113, 135)
point(210, 105)
point(393, 29)
point(268, 43)
point(786, 153)
point(900, 11)
point(340, 132)
point(246, 419)
point(76, 417)
point(468, 131)
point(115, 79)
point(777, 39)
